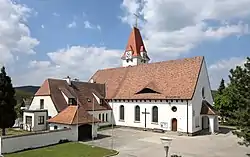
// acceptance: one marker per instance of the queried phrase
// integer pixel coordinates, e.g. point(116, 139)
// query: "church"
point(173, 95)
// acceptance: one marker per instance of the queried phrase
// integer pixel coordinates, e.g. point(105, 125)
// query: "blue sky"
point(78, 37)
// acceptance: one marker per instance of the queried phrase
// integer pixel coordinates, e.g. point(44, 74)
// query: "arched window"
point(103, 117)
point(100, 117)
point(155, 114)
point(121, 112)
point(137, 113)
point(106, 117)
point(203, 92)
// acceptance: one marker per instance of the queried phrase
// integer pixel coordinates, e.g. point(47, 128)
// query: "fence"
point(9, 144)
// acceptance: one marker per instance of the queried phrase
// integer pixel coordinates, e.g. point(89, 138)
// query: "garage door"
point(84, 132)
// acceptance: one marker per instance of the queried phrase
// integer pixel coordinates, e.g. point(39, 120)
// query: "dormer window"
point(72, 101)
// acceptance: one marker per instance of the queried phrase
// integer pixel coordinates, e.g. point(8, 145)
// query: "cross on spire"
point(136, 19)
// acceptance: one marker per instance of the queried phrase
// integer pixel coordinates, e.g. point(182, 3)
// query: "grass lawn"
point(12, 131)
point(71, 149)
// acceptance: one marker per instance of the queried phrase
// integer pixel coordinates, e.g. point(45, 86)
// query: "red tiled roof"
point(73, 115)
point(208, 109)
point(135, 43)
point(81, 91)
point(174, 79)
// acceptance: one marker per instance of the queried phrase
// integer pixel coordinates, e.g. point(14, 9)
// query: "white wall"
point(165, 114)
point(34, 140)
point(35, 119)
point(203, 81)
point(136, 61)
point(74, 128)
point(48, 104)
point(102, 112)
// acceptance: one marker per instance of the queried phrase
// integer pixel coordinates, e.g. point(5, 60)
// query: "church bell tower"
point(135, 52)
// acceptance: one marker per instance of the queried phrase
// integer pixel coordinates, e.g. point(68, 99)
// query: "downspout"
point(187, 117)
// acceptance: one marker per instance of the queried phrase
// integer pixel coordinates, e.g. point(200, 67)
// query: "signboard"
point(164, 125)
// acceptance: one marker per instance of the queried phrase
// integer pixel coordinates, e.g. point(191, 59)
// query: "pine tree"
point(237, 100)
point(7, 102)
point(221, 87)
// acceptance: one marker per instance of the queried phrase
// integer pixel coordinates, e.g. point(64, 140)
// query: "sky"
point(42, 39)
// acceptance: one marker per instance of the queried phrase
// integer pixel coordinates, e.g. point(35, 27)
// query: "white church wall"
point(134, 61)
point(48, 104)
point(101, 115)
point(165, 114)
point(203, 81)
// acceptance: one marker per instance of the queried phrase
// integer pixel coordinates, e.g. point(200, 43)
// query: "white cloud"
point(42, 26)
point(72, 24)
point(55, 14)
point(14, 33)
point(87, 24)
point(174, 27)
point(99, 27)
point(81, 59)
point(221, 68)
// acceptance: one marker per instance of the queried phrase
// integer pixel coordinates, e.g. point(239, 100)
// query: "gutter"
point(187, 117)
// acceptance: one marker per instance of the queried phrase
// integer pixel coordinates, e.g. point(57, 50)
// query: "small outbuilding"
point(78, 119)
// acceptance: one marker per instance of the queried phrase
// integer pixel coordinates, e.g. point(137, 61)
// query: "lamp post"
point(166, 143)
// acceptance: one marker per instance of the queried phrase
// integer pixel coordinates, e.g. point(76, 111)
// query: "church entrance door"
point(174, 124)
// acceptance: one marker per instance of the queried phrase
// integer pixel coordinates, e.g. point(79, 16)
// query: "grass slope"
point(71, 149)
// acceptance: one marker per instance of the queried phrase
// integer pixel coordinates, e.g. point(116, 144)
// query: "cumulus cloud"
point(75, 61)
point(221, 68)
point(89, 25)
point(15, 35)
point(72, 24)
point(174, 27)
point(56, 14)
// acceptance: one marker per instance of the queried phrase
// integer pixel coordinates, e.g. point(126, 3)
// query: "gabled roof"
point(135, 43)
point(73, 115)
point(174, 79)
point(81, 91)
point(207, 109)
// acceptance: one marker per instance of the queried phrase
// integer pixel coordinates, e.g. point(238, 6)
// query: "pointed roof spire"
point(135, 43)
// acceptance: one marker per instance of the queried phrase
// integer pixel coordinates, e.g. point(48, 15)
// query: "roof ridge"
point(72, 120)
point(153, 63)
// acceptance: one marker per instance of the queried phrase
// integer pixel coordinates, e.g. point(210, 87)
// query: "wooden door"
point(174, 124)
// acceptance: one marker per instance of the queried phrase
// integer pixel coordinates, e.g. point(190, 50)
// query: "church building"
point(173, 95)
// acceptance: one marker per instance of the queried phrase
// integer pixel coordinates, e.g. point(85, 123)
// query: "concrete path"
point(135, 143)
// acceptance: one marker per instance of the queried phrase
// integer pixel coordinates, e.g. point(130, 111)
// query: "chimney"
point(68, 79)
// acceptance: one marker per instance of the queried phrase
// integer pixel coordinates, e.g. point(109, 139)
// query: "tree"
point(220, 100)
point(7, 102)
point(221, 87)
point(237, 101)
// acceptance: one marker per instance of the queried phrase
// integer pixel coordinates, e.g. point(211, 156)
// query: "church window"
point(155, 114)
point(176, 100)
point(103, 117)
point(145, 100)
point(121, 112)
point(137, 113)
point(181, 100)
point(203, 92)
point(174, 108)
point(172, 100)
point(99, 116)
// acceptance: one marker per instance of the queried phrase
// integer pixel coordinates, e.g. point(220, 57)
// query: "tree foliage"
point(234, 101)
point(7, 102)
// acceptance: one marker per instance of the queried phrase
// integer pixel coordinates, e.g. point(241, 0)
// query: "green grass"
point(71, 149)
point(12, 131)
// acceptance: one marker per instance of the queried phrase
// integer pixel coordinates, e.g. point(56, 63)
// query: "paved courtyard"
point(135, 143)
